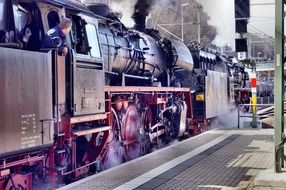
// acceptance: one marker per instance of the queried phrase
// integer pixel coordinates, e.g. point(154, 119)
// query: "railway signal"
point(242, 13)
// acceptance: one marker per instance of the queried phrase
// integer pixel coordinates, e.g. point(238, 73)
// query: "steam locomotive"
point(117, 94)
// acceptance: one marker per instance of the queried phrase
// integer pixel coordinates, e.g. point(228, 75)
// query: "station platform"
point(217, 159)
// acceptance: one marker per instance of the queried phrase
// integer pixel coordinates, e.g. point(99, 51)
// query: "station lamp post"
point(199, 7)
point(182, 16)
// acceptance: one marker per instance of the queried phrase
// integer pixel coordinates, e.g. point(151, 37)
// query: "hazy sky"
point(222, 16)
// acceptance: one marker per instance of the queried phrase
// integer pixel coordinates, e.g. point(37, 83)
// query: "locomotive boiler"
point(139, 54)
point(116, 96)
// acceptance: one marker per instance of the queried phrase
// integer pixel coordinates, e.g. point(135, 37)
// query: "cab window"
point(79, 40)
point(28, 17)
point(3, 36)
point(93, 41)
point(84, 37)
point(53, 19)
point(1, 14)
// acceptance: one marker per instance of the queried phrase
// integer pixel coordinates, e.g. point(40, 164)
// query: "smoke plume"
point(129, 8)
point(143, 7)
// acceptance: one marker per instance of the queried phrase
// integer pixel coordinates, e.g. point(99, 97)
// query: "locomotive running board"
point(88, 118)
point(144, 89)
point(92, 131)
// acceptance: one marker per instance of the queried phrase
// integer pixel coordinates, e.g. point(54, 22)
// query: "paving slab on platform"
point(217, 159)
point(270, 179)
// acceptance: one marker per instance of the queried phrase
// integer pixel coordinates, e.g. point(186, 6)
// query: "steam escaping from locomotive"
point(129, 8)
point(126, 8)
point(225, 34)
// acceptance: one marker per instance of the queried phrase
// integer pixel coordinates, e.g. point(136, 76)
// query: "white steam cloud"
point(228, 120)
point(221, 14)
point(126, 8)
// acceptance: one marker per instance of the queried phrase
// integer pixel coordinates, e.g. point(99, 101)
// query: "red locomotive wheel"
point(132, 133)
point(114, 153)
point(20, 182)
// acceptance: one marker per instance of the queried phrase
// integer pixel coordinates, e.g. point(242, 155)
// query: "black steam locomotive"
point(114, 97)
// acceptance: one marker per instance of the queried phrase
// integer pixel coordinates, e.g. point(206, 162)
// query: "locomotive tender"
point(111, 99)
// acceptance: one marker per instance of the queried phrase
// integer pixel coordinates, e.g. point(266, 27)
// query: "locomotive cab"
point(81, 75)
